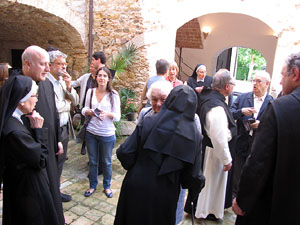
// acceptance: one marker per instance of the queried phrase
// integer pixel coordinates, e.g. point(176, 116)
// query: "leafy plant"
point(124, 60)
point(249, 58)
point(128, 103)
point(118, 125)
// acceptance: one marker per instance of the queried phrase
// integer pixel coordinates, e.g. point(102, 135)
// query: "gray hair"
point(221, 79)
point(55, 54)
point(165, 87)
point(263, 74)
point(293, 60)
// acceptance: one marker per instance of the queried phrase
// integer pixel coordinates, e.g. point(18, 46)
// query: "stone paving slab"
point(101, 210)
point(98, 209)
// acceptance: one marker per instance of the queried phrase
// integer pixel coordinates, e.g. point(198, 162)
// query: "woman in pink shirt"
point(172, 75)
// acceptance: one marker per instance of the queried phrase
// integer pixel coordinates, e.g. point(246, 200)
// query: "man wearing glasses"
point(247, 110)
point(65, 95)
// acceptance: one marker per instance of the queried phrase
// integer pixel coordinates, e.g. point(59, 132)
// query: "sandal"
point(88, 193)
point(110, 194)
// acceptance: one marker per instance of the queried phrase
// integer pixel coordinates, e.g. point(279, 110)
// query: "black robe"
point(269, 186)
point(47, 108)
point(145, 197)
point(163, 153)
point(26, 195)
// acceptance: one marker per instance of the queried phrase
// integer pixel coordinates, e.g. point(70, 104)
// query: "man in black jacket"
point(269, 187)
point(247, 110)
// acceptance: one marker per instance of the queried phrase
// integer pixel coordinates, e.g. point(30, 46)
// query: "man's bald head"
point(35, 63)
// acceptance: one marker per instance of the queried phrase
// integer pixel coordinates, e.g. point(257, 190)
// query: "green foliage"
point(124, 60)
point(118, 125)
point(246, 56)
point(128, 104)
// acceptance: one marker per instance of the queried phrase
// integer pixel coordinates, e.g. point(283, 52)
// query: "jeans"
point(103, 147)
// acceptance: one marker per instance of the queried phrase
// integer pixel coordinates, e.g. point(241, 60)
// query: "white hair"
point(165, 87)
point(263, 74)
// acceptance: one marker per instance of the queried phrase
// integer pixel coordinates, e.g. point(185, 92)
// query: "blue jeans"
point(99, 146)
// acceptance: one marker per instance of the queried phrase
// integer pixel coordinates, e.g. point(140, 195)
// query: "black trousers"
point(65, 141)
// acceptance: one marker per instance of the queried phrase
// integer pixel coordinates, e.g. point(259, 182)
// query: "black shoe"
point(212, 217)
point(65, 197)
point(83, 150)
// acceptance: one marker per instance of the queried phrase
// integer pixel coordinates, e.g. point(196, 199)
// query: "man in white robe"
point(219, 127)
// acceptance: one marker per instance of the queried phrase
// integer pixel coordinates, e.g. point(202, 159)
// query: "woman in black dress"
point(162, 154)
point(26, 194)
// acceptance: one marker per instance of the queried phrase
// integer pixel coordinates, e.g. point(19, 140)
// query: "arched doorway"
point(226, 31)
point(242, 62)
point(23, 25)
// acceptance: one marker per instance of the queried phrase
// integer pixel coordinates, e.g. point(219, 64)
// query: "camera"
point(251, 120)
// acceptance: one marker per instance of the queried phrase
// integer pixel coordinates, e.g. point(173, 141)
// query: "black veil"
point(174, 132)
point(13, 90)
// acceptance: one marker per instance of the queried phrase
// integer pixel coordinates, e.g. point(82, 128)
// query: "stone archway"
point(230, 30)
point(279, 17)
point(23, 25)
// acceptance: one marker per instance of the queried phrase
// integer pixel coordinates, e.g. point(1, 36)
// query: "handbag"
point(81, 133)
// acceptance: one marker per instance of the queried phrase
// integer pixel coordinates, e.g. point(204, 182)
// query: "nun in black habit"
point(199, 79)
point(162, 153)
point(194, 81)
point(26, 194)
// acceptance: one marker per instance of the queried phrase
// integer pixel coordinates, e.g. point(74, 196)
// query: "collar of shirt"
point(52, 79)
point(17, 114)
point(200, 80)
point(262, 98)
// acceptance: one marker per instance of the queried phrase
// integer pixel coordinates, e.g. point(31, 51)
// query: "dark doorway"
point(224, 59)
point(16, 58)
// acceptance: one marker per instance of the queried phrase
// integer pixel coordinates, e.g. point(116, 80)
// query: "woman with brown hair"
point(102, 105)
point(3, 72)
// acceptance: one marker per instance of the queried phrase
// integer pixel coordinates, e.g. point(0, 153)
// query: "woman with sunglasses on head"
point(102, 105)
point(26, 194)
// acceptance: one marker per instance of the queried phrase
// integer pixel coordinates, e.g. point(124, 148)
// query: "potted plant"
point(128, 104)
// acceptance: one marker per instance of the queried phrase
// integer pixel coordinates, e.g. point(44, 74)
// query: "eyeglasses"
point(36, 95)
point(61, 64)
point(232, 83)
point(256, 81)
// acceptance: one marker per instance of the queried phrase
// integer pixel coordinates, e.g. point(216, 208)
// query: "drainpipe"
point(91, 21)
point(179, 63)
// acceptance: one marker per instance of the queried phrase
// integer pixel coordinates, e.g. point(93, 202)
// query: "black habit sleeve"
point(192, 177)
point(128, 151)
point(258, 169)
point(26, 149)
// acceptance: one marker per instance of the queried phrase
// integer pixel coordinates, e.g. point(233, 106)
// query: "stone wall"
point(150, 25)
point(116, 23)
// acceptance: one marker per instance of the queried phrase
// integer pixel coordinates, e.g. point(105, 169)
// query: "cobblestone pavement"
point(98, 209)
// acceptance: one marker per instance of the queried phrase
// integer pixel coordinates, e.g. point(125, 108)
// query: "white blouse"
point(106, 127)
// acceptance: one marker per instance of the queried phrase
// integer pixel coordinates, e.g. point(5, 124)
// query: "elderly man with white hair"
point(247, 110)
